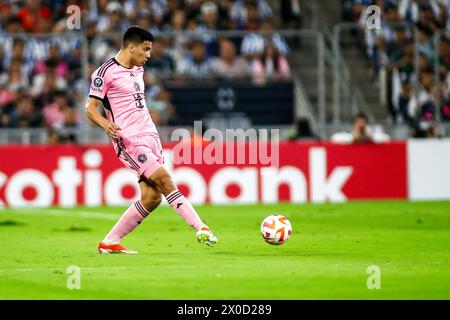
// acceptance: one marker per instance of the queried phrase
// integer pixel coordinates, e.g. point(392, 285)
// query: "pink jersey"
point(122, 92)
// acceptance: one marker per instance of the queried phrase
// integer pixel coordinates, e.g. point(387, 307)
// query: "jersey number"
point(138, 100)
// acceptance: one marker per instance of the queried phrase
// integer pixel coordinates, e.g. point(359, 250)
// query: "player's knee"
point(165, 183)
point(150, 202)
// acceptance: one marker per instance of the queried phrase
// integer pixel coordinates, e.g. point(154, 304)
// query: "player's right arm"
point(100, 83)
point(96, 117)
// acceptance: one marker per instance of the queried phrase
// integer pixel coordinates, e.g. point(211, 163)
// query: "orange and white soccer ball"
point(276, 229)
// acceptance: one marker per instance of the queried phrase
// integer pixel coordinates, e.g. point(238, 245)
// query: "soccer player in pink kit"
point(119, 85)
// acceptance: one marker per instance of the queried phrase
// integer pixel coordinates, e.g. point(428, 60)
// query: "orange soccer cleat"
point(114, 248)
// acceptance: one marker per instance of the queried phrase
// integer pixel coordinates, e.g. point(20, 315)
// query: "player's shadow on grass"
point(11, 223)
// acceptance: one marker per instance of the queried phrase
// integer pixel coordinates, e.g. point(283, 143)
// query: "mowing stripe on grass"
point(194, 267)
point(66, 213)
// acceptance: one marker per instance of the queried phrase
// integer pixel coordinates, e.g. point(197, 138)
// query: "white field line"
point(61, 269)
point(101, 269)
point(64, 213)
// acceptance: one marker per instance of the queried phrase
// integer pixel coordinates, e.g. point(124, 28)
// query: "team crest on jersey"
point(136, 86)
point(98, 82)
point(142, 158)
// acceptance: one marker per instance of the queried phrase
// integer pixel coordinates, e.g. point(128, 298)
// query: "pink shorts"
point(141, 153)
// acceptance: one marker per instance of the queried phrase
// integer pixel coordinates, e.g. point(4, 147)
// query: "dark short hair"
point(360, 115)
point(136, 35)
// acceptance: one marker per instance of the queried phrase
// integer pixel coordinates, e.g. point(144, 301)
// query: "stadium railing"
point(346, 96)
point(96, 135)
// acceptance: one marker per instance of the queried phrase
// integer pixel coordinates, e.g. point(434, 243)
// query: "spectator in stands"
point(358, 9)
point(430, 18)
point(360, 132)
point(144, 20)
point(424, 42)
point(114, 21)
point(275, 38)
point(271, 66)
point(177, 23)
point(2, 60)
point(403, 77)
point(403, 103)
point(444, 57)
point(169, 10)
point(303, 131)
point(359, 126)
point(24, 115)
point(66, 130)
point(253, 44)
point(291, 14)
point(161, 64)
point(178, 43)
point(4, 119)
point(6, 96)
point(13, 25)
point(225, 7)
point(402, 38)
point(425, 107)
point(229, 65)
point(243, 10)
point(49, 80)
point(53, 113)
point(33, 14)
point(61, 67)
point(18, 50)
point(196, 65)
point(445, 109)
point(253, 19)
point(90, 31)
point(158, 100)
point(15, 79)
point(73, 60)
point(209, 19)
point(209, 22)
point(424, 129)
point(378, 40)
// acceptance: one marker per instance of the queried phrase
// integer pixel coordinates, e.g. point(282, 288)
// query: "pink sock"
point(184, 209)
point(127, 222)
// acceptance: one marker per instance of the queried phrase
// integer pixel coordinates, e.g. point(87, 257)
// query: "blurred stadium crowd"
point(42, 81)
point(414, 96)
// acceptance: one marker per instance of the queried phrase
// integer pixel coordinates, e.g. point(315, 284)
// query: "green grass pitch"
point(326, 258)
